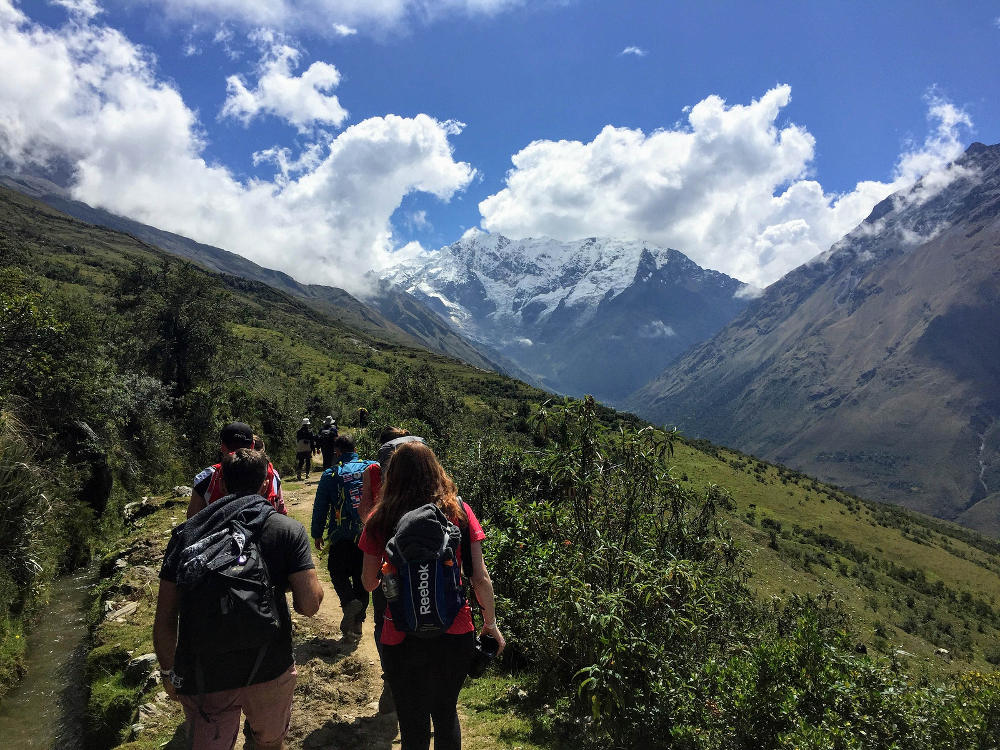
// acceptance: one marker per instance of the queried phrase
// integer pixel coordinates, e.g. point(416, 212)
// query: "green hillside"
point(910, 582)
point(631, 563)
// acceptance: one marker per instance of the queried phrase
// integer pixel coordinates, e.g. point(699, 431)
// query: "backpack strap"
point(468, 570)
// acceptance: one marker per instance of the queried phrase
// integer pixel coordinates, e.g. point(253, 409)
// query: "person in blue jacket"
point(335, 510)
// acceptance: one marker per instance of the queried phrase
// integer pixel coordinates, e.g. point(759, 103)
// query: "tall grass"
point(25, 515)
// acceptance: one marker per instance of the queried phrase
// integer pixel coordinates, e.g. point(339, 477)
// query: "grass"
point(806, 538)
point(490, 718)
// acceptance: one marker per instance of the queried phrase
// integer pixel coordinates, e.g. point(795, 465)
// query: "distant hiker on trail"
point(208, 487)
point(420, 521)
point(362, 417)
point(324, 440)
point(338, 497)
point(224, 641)
point(305, 444)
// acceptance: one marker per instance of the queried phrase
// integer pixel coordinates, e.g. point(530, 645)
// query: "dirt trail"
point(339, 684)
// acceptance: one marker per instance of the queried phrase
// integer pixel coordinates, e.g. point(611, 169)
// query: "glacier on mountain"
point(591, 315)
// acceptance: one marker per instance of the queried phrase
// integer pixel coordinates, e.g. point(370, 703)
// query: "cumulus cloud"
point(304, 101)
point(730, 187)
point(330, 16)
point(341, 30)
point(637, 51)
point(326, 215)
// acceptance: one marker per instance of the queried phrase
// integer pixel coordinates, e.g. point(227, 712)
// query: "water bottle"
point(390, 582)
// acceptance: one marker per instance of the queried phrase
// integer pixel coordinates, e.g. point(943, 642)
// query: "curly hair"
point(414, 477)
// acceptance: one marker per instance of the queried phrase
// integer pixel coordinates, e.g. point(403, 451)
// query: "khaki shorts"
point(267, 705)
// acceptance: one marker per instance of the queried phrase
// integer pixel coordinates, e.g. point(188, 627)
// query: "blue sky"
point(748, 135)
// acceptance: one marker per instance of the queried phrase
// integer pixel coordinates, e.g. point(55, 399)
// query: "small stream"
point(47, 709)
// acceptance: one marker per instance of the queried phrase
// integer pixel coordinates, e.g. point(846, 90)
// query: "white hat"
point(305, 420)
point(328, 419)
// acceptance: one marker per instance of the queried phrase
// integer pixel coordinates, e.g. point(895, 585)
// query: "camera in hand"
point(486, 648)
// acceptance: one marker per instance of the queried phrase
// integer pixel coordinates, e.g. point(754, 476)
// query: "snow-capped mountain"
point(596, 316)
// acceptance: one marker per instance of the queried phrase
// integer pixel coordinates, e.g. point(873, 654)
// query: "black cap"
point(236, 435)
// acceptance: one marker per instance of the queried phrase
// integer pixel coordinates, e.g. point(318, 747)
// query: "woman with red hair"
point(426, 674)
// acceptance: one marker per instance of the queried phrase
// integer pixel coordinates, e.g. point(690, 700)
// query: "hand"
point(319, 544)
point(170, 690)
point(492, 629)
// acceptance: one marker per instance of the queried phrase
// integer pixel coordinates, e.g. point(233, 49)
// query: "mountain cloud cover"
point(730, 188)
point(136, 149)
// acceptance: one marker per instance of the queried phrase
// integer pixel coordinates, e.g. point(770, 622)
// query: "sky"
point(327, 138)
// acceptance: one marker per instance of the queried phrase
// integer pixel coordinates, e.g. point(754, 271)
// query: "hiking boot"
point(359, 625)
point(351, 611)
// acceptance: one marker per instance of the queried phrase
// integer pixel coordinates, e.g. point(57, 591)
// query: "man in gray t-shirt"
point(258, 681)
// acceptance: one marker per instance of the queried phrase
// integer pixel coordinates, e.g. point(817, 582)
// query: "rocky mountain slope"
point(385, 315)
point(597, 316)
point(877, 365)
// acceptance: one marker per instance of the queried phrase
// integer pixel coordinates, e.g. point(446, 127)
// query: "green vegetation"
point(657, 591)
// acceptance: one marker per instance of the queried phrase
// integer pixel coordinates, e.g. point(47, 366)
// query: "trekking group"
point(395, 531)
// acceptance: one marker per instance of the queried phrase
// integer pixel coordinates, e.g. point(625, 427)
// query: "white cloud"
point(656, 329)
point(138, 150)
point(83, 9)
point(341, 30)
point(417, 220)
point(637, 51)
point(730, 187)
point(331, 16)
point(304, 101)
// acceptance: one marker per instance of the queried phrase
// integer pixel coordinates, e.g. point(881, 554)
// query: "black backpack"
point(424, 588)
point(227, 600)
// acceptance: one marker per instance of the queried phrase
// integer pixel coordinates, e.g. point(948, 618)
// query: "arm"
point(165, 629)
point(196, 503)
point(482, 584)
point(321, 508)
point(369, 572)
point(367, 492)
point(307, 592)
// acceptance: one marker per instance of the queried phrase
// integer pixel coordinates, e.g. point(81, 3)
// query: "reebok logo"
point(424, 588)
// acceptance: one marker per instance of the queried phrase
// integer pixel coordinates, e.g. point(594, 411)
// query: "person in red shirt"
point(426, 674)
point(208, 486)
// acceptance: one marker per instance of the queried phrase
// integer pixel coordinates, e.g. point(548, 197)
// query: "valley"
point(778, 548)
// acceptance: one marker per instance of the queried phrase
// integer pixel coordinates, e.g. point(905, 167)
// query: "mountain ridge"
point(840, 364)
point(419, 326)
point(597, 315)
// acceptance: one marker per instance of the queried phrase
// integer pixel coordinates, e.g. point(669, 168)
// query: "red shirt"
point(372, 544)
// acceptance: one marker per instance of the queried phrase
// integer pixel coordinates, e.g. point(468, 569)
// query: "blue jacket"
point(337, 499)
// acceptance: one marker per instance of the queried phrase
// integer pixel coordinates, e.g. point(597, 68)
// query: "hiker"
point(208, 487)
point(338, 498)
point(426, 673)
point(390, 439)
point(305, 443)
point(324, 440)
point(224, 642)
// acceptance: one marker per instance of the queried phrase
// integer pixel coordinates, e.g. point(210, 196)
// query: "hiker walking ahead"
point(324, 440)
point(338, 497)
point(223, 632)
point(305, 443)
point(208, 485)
point(428, 635)
point(390, 439)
